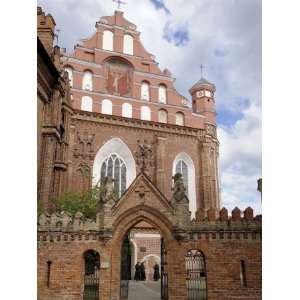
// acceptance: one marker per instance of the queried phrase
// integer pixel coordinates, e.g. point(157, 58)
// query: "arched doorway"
point(91, 275)
point(149, 249)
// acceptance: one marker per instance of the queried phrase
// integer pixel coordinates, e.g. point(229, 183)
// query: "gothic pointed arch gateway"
point(142, 202)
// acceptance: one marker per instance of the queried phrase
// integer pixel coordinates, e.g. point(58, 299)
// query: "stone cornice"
point(137, 124)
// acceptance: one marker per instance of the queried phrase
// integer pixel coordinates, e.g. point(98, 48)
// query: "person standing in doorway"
point(156, 275)
point(137, 274)
point(143, 273)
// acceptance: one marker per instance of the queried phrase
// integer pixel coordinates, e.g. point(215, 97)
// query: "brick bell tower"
point(203, 103)
point(203, 100)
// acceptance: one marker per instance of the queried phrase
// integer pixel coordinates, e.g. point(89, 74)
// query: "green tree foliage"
point(85, 202)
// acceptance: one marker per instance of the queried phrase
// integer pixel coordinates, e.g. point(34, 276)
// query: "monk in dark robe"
point(156, 275)
point(143, 273)
point(137, 274)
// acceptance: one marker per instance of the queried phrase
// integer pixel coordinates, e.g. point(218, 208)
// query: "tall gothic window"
point(195, 275)
point(145, 91)
point(108, 40)
point(182, 168)
point(115, 167)
point(87, 81)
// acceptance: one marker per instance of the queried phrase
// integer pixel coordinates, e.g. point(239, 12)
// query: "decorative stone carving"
point(144, 156)
point(84, 145)
point(179, 191)
point(107, 199)
point(142, 192)
point(211, 130)
point(107, 193)
point(181, 205)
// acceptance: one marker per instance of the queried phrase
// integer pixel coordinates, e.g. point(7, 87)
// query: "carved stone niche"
point(84, 145)
point(119, 76)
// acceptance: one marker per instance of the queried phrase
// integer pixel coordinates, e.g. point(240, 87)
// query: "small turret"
point(45, 29)
point(203, 101)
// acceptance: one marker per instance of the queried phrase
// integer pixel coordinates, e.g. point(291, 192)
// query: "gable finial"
point(119, 2)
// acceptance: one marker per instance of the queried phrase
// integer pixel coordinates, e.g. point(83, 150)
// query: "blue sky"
point(224, 36)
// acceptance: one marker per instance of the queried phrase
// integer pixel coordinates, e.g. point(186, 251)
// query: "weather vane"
point(201, 67)
point(119, 2)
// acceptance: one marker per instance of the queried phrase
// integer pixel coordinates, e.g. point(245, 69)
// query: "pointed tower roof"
point(201, 83)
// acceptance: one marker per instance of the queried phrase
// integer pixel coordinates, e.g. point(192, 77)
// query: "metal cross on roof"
point(201, 67)
point(119, 2)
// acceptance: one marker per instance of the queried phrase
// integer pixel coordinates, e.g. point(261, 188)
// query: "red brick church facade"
point(121, 117)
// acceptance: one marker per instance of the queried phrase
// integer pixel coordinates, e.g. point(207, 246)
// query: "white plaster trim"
point(115, 145)
point(191, 179)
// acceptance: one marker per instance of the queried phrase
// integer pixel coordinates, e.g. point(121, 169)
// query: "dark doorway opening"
point(91, 275)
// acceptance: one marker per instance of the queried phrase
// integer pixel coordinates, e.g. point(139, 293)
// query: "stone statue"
point(107, 193)
point(179, 194)
point(144, 156)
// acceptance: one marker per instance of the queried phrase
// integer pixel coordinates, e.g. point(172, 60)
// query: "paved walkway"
point(144, 290)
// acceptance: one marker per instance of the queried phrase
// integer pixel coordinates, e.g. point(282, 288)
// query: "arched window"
point(162, 116)
point(87, 103)
point(108, 40)
point(145, 113)
point(162, 94)
point(182, 168)
point(91, 275)
point(114, 145)
point(106, 107)
point(128, 44)
point(196, 275)
point(184, 165)
point(114, 166)
point(179, 118)
point(70, 73)
point(127, 110)
point(145, 91)
point(87, 81)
